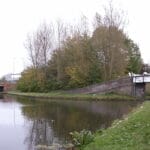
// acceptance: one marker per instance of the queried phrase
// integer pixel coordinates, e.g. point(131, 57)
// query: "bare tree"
point(114, 20)
point(45, 40)
point(33, 50)
point(114, 16)
point(39, 45)
point(61, 37)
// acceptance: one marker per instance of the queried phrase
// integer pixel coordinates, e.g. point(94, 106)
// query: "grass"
point(64, 95)
point(132, 133)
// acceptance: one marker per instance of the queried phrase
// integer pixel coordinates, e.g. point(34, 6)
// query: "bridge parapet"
point(139, 83)
point(141, 78)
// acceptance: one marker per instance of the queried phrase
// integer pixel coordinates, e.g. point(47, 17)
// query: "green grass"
point(64, 95)
point(132, 133)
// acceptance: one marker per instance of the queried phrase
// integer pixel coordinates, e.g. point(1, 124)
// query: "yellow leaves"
point(73, 73)
point(76, 77)
point(32, 80)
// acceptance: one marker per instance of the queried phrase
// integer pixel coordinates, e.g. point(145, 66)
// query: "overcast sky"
point(20, 17)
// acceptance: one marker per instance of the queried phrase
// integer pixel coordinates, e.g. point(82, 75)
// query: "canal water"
point(26, 123)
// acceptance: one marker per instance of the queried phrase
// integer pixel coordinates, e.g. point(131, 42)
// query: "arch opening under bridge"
point(1, 88)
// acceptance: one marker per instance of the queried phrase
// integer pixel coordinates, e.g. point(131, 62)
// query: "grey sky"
point(20, 17)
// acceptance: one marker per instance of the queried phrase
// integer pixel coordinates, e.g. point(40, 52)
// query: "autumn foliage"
point(78, 57)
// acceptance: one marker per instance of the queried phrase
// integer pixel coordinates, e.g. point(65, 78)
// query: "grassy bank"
point(132, 133)
point(64, 95)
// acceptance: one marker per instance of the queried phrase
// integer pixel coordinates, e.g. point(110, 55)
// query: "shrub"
point(82, 138)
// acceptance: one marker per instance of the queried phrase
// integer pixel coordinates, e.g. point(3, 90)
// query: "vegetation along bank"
point(62, 95)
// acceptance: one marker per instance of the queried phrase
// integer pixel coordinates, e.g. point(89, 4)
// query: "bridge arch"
point(1, 88)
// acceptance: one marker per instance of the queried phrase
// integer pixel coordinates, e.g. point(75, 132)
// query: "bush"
point(82, 138)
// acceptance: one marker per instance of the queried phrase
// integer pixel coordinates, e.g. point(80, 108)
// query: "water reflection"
point(1, 96)
point(50, 122)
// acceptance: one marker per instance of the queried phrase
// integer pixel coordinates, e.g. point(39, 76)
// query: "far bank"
point(63, 95)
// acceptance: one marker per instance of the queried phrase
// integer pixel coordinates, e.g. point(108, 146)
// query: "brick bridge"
point(6, 86)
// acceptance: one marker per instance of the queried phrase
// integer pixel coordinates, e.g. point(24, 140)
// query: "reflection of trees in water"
point(52, 121)
point(65, 119)
point(1, 96)
point(5, 98)
point(40, 133)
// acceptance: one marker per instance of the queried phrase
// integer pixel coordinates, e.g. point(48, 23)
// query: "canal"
point(26, 123)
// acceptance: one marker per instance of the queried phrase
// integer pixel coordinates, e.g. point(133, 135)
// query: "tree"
point(79, 58)
point(134, 59)
point(108, 40)
point(39, 45)
point(32, 80)
point(61, 37)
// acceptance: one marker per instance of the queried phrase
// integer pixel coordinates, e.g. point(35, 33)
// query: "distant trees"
point(79, 58)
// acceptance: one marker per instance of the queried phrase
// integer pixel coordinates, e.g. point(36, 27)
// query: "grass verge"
point(132, 133)
point(64, 95)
